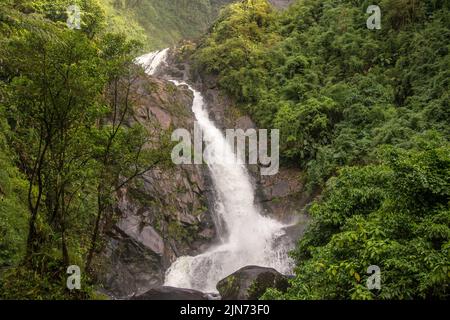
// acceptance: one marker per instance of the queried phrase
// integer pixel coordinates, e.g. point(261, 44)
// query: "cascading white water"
point(250, 239)
point(151, 61)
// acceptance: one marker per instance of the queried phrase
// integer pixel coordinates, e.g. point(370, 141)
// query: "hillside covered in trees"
point(363, 113)
point(366, 114)
point(66, 145)
point(158, 24)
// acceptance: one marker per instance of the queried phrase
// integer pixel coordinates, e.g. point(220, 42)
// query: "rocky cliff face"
point(165, 213)
point(168, 211)
point(283, 195)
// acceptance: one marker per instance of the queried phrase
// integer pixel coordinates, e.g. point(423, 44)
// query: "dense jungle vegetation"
point(366, 114)
point(159, 24)
point(66, 144)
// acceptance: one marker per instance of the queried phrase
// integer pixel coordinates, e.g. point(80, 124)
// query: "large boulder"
point(171, 293)
point(250, 283)
point(129, 267)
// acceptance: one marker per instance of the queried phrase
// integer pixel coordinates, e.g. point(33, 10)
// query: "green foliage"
point(27, 284)
point(158, 23)
point(395, 215)
point(305, 127)
point(66, 146)
point(13, 212)
point(335, 89)
point(366, 114)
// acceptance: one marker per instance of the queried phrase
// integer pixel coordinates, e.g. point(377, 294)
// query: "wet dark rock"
point(281, 189)
point(282, 196)
point(167, 212)
point(146, 235)
point(164, 214)
point(128, 266)
point(171, 293)
point(250, 283)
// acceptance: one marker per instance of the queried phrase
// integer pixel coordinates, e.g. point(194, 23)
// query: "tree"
point(125, 152)
point(52, 105)
point(394, 215)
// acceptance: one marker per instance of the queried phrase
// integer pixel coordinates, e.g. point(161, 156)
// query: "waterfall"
point(151, 61)
point(250, 238)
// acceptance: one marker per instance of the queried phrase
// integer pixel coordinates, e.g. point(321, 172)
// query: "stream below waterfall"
point(248, 238)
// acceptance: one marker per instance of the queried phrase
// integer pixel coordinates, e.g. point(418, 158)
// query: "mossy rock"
point(250, 283)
